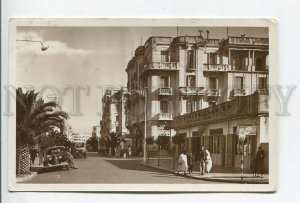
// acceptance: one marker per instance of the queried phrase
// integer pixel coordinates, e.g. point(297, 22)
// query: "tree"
point(53, 138)
point(33, 118)
point(113, 141)
point(149, 141)
point(93, 143)
point(178, 139)
point(161, 141)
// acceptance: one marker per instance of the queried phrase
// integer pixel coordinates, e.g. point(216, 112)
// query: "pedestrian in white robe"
point(182, 163)
point(208, 162)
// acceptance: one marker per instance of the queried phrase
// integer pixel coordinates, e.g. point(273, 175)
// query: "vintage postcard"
point(142, 105)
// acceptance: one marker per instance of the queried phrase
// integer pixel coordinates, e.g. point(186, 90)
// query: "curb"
point(26, 178)
point(207, 178)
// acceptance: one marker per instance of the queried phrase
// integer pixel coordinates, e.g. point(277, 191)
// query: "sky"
point(90, 58)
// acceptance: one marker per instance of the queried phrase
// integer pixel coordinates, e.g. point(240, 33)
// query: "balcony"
point(215, 67)
point(191, 91)
point(238, 108)
point(211, 95)
point(245, 41)
point(164, 116)
point(161, 66)
point(165, 91)
point(237, 92)
point(263, 91)
point(184, 40)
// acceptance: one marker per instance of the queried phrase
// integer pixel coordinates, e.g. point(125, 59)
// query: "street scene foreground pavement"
point(217, 174)
point(101, 170)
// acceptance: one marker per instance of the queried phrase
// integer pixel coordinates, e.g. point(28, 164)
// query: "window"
point(191, 105)
point(164, 56)
point(188, 106)
point(259, 63)
point(239, 83)
point(212, 58)
point(190, 81)
point(191, 56)
point(262, 83)
point(213, 83)
point(164, 81)
point(164, 106)
point(215, 140)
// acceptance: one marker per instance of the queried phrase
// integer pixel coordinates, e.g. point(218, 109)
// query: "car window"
point(54, 151)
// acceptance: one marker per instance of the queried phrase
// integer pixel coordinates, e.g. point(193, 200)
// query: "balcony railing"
point(165, 116)
point(191, 90)
point(161, 66)
point(238, 92)
point(215, 67)
point(235, 109)
point(245, 41)
point(263, 91)
point(212, 93)
point(165, 91)
point(195, 40)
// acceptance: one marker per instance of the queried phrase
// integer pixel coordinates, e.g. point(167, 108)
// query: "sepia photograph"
point(142, 105)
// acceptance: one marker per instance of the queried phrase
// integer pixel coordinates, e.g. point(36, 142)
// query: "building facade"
point(236, 77)
point(113, 113)
point(188, 74)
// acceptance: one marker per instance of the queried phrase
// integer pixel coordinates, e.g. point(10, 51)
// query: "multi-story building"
point(113, 113)
point(236, 76)
point(188, 74)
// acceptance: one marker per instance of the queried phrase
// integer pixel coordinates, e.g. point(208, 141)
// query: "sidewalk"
point(217, 174)
point(25, 178)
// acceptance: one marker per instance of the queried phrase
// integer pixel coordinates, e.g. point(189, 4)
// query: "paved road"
point(109, 170)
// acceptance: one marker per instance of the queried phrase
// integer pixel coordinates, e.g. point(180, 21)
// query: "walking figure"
point(70, 159)
point(259, 161)
point(202, 159)
point(190, 160)
point(182, 163)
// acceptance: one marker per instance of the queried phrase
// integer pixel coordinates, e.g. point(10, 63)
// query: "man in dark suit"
point(201, 159)
point(190, 159)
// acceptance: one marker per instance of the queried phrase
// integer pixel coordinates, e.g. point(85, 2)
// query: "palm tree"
point(33, 118)
point(93, 143)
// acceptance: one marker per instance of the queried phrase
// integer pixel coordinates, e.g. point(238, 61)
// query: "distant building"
point(80, 137)
point(113, 109)
point(96, 131)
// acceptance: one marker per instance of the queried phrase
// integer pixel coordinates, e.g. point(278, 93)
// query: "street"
point(111, 170)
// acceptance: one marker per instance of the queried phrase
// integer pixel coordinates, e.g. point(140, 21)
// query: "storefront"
point(217, 131)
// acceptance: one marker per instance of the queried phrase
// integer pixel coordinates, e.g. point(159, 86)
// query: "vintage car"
point(56, 157)
point(80, 152)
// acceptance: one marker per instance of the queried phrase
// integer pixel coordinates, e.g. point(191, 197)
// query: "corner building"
point(187, 75)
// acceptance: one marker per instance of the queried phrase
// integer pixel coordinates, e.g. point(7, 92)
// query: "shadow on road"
point(132, 165)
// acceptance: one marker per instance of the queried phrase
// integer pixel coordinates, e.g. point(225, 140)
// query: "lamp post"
point(145, 127)
point(44, 48)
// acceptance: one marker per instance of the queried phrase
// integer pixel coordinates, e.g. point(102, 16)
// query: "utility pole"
point(145, 127)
